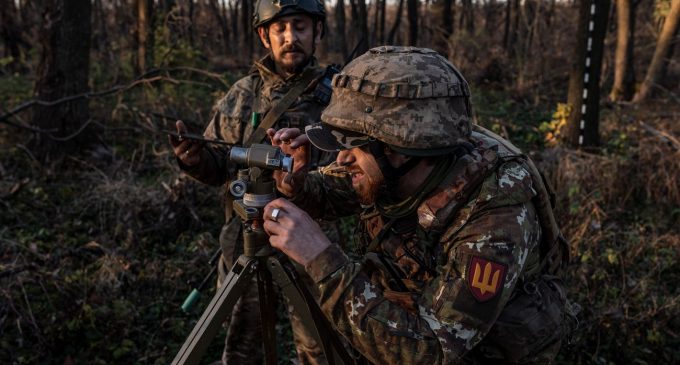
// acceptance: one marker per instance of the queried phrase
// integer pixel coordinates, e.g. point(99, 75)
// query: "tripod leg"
point(303, 303)
point(267, 301)
point(217, 311)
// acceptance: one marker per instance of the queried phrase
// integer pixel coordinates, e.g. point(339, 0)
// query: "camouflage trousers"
point(243, 344)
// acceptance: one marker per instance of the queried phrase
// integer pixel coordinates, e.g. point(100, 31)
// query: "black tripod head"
point(254, 188)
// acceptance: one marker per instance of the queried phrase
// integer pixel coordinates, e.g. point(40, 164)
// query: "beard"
point(296, 65)
point(369, 189)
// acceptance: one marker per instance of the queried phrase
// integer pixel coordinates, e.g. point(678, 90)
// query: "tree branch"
point(118, 88)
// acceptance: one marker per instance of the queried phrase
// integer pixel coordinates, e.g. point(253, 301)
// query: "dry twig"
point(661, 134)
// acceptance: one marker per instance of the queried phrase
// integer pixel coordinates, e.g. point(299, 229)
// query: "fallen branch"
point(119, 88)
point(661, 134)
point(87, 95)
point(16, 270)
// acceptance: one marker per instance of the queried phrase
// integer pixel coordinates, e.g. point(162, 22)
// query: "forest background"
point(101, 235)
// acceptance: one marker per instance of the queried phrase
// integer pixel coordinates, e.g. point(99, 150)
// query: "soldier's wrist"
point(326, 263)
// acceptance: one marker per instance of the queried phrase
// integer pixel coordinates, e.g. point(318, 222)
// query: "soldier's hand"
point(187, 151)
point(293, 231)
point(294, 143)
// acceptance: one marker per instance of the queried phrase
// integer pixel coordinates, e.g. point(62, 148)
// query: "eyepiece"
point(262, 156)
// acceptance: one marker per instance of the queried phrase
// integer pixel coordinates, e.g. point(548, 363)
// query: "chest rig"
point(408, 248)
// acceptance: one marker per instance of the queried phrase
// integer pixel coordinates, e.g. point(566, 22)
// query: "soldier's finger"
point(276, 241)
point(276, 139)
point(270, 134)
point(289, 134)
point(300, 140)
point(280, 203)
point(181, 127)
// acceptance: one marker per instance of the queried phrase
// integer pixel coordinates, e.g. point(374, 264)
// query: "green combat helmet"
point(411, 99)
point(269, 10)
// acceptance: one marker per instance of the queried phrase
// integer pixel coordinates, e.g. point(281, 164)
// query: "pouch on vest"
point(532, 320)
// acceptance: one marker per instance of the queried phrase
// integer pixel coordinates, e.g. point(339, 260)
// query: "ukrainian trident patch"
point(485, 278)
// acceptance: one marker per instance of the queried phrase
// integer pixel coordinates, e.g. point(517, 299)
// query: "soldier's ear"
point(263, 33)
point(318, 34)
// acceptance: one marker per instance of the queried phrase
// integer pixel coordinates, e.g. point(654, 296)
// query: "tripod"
point(255, 188)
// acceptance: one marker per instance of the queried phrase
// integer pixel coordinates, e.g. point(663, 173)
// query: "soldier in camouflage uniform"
point(290, 30)
point(459, 250)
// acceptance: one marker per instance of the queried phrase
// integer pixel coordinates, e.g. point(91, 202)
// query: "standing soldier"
point(460, 251)
point(283, 90)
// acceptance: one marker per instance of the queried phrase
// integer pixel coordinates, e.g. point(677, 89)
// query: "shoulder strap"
point(277, 110)
point(555, 250)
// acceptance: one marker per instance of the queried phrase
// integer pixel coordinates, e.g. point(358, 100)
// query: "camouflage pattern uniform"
point(467, 277)
point(257, 92)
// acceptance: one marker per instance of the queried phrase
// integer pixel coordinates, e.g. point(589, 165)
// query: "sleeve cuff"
point(327, 262)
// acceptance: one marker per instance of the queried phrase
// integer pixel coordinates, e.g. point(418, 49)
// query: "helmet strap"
point(390, 173)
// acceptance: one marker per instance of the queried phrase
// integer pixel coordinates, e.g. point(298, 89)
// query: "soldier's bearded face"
point(366, 176)
point(292, 41)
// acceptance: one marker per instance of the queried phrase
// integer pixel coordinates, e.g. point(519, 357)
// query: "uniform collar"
point(265, 67)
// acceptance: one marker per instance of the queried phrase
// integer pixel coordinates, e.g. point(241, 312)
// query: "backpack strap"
point(553, 244)
point(308, 76)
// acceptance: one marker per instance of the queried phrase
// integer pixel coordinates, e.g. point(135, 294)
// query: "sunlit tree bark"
point(624, 73)
point(653, 75)
point(144, 35)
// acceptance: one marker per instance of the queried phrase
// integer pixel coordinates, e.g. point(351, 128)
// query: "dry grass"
point(620, 211)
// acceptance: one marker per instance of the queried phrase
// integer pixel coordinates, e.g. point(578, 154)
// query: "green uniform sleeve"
point(481, 257)
point(327, 195)
point(228, 124)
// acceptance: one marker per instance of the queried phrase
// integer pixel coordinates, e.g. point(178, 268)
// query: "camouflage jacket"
point(258, 92)
point(476, 236)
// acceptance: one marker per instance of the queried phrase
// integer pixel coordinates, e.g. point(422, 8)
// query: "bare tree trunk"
point(512, 17)
point(143, 22)
point(551, 13)
point(447, 17)
point(340, 28)
point(506, 26)
point(532, 11)
point(624, 73)
point(653, 75)
point(445, 26)
point(582, 129)
point(360, 22)
point(363, 24)
point(490, 16)
point(234, 23)
point(412, 14)
point(397, 21)
point(467, 18)
point(222, 21)
point(227, 30)
point(669, 54)
point(376, 16)
point(246, 12)
point(381, 28)
point(354, 21)
point(190, 28)
point(10, 31)
point(63, 71)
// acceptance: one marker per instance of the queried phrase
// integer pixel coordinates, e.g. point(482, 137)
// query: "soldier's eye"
point(278, 27)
